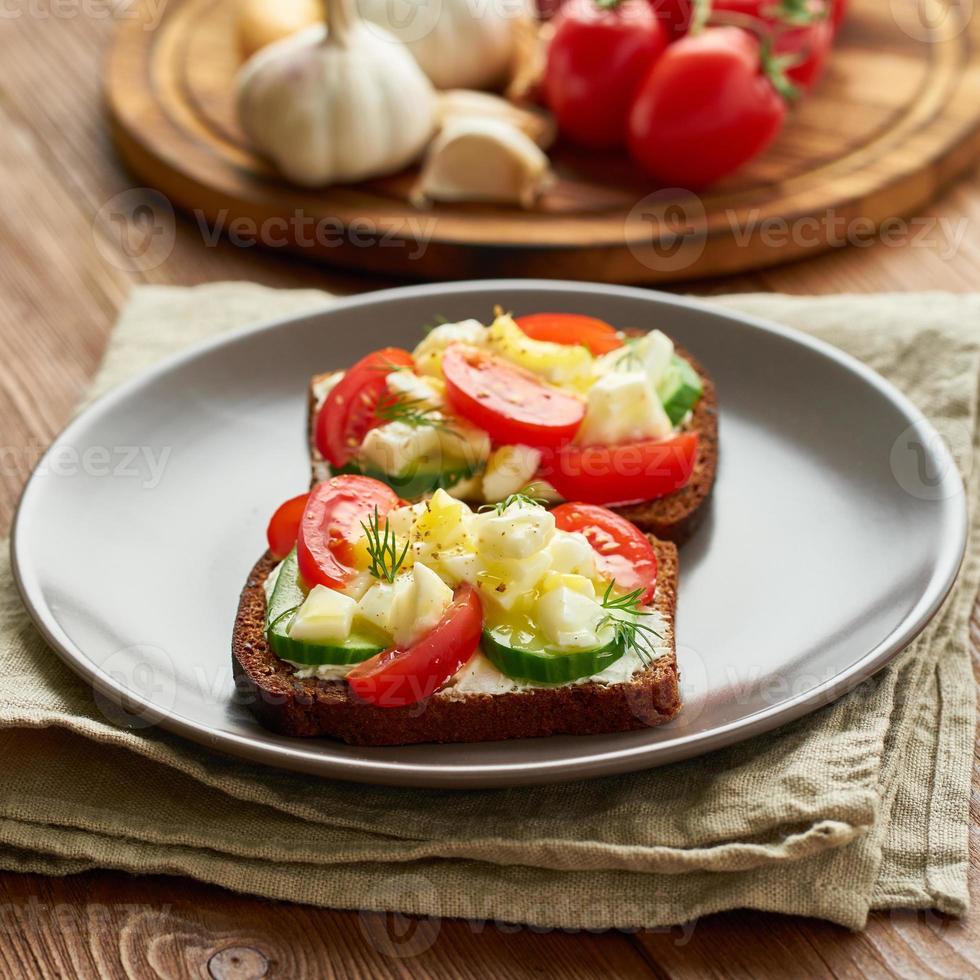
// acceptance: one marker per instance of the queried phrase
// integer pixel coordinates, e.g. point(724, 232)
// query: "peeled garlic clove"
point(486, 160)
point(463, 103)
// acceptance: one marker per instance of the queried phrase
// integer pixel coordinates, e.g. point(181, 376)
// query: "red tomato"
point(331, 524)
point(348, 413)
point(675, 15)
point(704, 109)
point(397, 677)
point(597, 58)
point(284, 526)
point(623, 551)
point(624, 474)
point(571, 328)
point(810, 43)
point(511, 404)
point(838, 10)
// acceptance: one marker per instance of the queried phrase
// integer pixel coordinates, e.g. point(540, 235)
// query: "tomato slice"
point(348, 413)
point(623, 551)
point(397, 678)
point(331, 524)
point(284, 527)
point(624, 474)
point(513, 405)
point(571, 328)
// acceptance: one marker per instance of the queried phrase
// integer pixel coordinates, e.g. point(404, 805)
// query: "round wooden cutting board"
point(896, 116)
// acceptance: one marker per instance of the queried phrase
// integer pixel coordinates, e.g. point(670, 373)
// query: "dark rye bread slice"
point(310, 707)
point(671, 518)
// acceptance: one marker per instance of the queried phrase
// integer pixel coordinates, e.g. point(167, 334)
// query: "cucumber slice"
point(419, 479)
point(547, 666)
point(287, 596)
point(680, 389)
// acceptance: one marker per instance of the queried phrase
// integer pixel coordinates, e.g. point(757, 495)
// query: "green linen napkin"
point(862, 805)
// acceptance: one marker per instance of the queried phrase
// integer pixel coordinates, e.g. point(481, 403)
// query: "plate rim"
point(472, 775)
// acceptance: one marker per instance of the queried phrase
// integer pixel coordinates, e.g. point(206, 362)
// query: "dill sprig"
point(624, 616)
point(521, 497)
point(437, 321)
point(629, 359)
point(415, 412)
point(382, 548)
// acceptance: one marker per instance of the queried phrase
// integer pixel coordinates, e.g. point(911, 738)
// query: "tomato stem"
point(700, 14)
point(774, 67)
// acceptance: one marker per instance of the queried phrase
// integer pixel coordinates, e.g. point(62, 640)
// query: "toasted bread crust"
point(311, 707)
point(671, 518)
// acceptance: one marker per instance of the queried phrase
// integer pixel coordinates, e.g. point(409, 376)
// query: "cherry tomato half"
point(284, 526)
point(623, 551)
point(704, 109)
point(397, 678)
point(348, 413)
point(513, 405)
point(624, 474)
point(571, 328)
point(331, 524)
point(596, 60)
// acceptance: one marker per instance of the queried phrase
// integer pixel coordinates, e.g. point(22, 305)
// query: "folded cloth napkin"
point(861, 805)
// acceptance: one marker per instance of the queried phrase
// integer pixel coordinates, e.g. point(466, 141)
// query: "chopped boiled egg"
point(442, 524)
point(572, 554)
point(462, 441)
point(376, 605)
point(428, 354)
point(650, 353)
point(430, 600)
point(569, 618)
point(508, 581)
point(563, 364)
point(517, 532)
point(623, 407)
point(563, 580)
point(509, 469)
point(407, 608)
point(324, 617)
point(410, 387)
point(396, 446)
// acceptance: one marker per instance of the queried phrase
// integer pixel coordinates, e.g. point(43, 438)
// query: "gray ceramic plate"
point(836, 529)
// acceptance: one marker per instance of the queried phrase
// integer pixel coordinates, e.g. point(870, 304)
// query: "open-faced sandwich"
point(561, 403)
point(385, 623)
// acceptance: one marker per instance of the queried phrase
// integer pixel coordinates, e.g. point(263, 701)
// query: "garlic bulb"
point(486, 160)
point(462, 103)
point(334, 106)
point(458, 43)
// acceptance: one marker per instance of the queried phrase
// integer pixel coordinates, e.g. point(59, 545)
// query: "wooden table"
point(60, 294)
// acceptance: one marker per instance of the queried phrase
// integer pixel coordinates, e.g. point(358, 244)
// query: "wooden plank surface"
point(65, 268)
